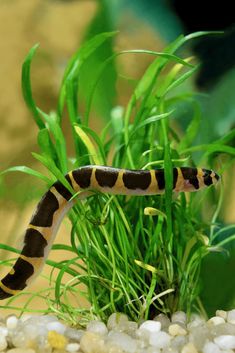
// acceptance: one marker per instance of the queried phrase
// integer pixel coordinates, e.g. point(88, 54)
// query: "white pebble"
point(11, 322)
point(225, 341)
point(34, 331)
point(159, 339)
point(73, 334)
point(216, 320)
point(150, 326)
point(178, 342)
point(221, 313)
point(3, 331)
point(149, 350)
point(41, 319)
point(222, 329)
point(177, 330)
point(97, 327)
point(3, 343)
point(195, 320)
point(72, 347)
point(116, 321)
point(92, 343)
point(56, 326)
point(47, 318)
point(170, 350)
point(189, 348)
point(130, 327)
point(146, 328)
point(211, 347)
point(18, 339)
point(152, 350)
point(123, 341)
point(42, 344)
point(199, 335)
point(179, 316)
point(21, 350)
point(231, 316)
point(164, 320)
point(25, 317)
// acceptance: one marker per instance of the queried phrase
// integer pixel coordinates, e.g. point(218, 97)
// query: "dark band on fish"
point(82, 177)
point(159, 173)
point(35, 243)
point(105, 179)
point(190, 174)
point(43, 217)
point(137, 179)
point(23, 270)
point(62, 190)
point(207, 177)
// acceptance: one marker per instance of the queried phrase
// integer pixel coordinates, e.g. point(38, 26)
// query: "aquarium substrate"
point(46, 334)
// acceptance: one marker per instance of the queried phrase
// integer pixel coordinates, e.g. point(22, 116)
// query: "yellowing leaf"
point(89, 145)
point(151, 211)
point(147, 267)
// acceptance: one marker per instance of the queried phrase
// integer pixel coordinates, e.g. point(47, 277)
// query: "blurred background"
point(60, 27)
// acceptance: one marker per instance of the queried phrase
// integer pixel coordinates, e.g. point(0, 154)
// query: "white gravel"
point(46, 334)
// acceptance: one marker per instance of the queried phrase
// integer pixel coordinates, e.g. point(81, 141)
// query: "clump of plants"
point(138, 255)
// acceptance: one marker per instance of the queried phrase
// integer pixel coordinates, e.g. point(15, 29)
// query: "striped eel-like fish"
point(51, 209)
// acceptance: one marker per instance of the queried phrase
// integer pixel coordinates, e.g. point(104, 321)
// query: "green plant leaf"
point(45, 144)
point(54, 128)
point(55, 171)
point(26, 87)
point(98, 142)
point(27, 170)
point(73, 69)
point(211, 148)
point(181, 79)
point(93, 154)
point(104, 96)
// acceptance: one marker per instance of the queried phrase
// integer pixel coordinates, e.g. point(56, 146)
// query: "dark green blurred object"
point(217, 275)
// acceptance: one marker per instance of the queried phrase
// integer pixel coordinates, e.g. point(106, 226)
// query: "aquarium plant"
point(138, 255)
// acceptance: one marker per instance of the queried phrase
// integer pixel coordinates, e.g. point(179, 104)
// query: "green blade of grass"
point(27, 170)
point(74, 65)
point(94, 155)
point(55, 171)
point(26, 87)
point(98, 142)
point(105, 93)
point(181, 79)
point(210, 149)
point(46, 146)
point(59, 144)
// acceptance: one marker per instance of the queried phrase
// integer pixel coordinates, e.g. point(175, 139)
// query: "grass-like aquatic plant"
point(138, 255)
